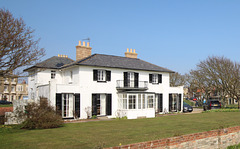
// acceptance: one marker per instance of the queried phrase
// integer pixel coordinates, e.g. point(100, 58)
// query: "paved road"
point(195, 110)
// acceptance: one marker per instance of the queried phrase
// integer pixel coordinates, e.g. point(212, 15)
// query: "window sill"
point(102, 81)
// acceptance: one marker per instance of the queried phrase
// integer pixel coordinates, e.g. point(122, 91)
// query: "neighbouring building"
point(104, 85)
point(22, 90)
point(8, 85)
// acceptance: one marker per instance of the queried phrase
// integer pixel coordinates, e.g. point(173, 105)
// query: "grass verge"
point(112, 133)
point(6, 105)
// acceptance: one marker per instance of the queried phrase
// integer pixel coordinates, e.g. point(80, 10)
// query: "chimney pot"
point(131, 54)
point(83, 51)
point(79, 43)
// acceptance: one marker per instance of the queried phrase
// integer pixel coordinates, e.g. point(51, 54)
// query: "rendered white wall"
point(82, 82)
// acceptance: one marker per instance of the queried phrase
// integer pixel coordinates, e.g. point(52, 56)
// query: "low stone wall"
point(221, 138)
point(5, 109)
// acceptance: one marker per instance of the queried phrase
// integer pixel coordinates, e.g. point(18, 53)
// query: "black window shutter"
point(159, 78)
point(179, 102)
point(95, 75)
point(94, 104)
point(170, 102)
point(77, 105)
point(150, 78)
point(109, 104)
point(108, 75)
point(160, 102)
point(136, 80)
point(125, 76)
point(59, 104)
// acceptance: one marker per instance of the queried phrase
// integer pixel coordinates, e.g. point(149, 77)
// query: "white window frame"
point(101, 75)
point(132, 105)
point(155, 78)
point(150, 101)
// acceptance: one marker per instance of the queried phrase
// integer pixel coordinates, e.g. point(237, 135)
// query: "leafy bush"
point(94, 117)
point(41, 116)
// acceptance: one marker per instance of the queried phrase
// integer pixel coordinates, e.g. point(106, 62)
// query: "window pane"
point(143, 101)
point(150, 101)
point(139, 101)
point(132, 102)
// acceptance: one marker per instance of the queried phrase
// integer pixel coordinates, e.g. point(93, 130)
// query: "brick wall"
point(5, 109)
point(221, 138)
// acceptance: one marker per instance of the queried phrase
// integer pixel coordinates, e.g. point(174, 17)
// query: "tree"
point(221, 74)
point(17, 44)
point(177, 79)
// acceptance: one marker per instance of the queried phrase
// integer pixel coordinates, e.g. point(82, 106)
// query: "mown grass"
point(112, 133)
point(10, 105)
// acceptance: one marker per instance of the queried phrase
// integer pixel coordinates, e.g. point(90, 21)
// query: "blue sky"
point(175, 34)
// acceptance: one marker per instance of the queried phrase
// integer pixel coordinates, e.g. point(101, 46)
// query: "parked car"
point(212, 104)
point(187, 107)
point(4, 102)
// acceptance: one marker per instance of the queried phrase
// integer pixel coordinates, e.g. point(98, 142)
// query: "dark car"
point(4, 102)
point(187, 107)
point(212, 104)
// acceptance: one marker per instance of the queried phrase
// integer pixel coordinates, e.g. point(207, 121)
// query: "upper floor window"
point(5, 88)
point(53, 74)
point(5, 79)
point(101, 75)
point(155, 78)
point(20, 88)
point(13, 88)
point(13, 79)
point(131, 79)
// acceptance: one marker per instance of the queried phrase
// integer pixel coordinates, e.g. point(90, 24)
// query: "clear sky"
point(175, 34)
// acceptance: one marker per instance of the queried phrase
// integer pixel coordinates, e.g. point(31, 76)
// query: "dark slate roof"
point(54, 62)
point(102, 60)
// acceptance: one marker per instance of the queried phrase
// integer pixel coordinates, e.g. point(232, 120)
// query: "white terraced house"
point(110, 86)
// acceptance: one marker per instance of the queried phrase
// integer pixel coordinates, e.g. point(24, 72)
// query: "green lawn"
point(6, 105)
point(111, 133)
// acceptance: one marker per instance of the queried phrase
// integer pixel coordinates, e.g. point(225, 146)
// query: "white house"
point(110, 86)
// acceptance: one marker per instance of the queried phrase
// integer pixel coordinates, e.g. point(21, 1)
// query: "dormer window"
point(53, 74)
point(101, 75)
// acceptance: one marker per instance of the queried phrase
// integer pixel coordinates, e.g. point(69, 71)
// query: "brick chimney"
point(131, 54)
point(83, 51)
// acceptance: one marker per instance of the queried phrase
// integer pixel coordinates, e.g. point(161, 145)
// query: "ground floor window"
point(101, 104)
point(175, 102)
point(136, 101)
point(68, 105)
point(132, 102)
